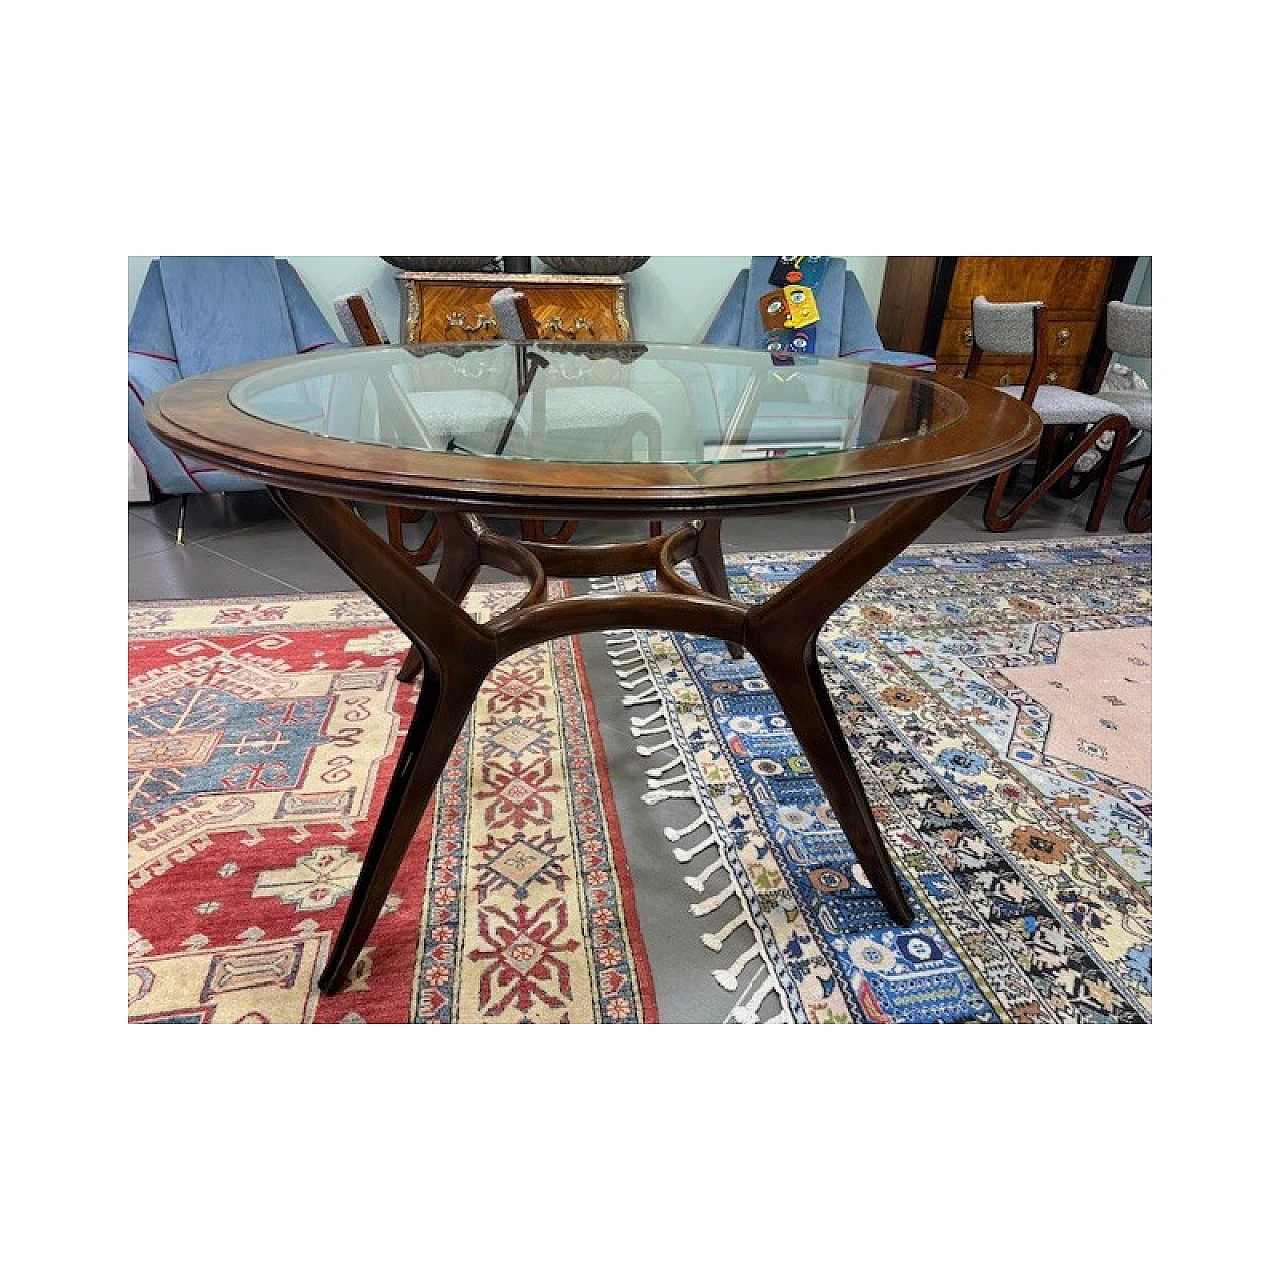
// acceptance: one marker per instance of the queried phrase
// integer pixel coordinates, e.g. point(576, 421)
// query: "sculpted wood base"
point(366, 425)
point(455, 653)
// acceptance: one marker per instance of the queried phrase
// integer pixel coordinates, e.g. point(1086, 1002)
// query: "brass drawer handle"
point(477, 324)
point(1051, 377)
point(968, 337)
point(1064, 336)
point(555, 327)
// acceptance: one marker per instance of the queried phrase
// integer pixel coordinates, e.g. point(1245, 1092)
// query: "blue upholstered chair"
point(845, 325)
point(195, 315)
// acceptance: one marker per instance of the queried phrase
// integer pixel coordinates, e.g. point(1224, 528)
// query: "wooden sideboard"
point(440, 306)
point(926, 306)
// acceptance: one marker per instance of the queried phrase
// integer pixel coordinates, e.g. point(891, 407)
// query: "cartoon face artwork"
point(792, 308)
point(805, 271)
point(789, 312)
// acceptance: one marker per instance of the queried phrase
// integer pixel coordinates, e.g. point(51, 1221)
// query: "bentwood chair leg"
point(442, 710)
point(182, 518)
point(1109, 473)
point(1050, 443)
point(998, 523)
point(1134, 520)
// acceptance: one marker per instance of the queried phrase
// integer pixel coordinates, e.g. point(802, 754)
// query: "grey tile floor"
point(241, 545)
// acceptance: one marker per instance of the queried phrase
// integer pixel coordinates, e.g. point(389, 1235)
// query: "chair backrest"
point(1005, 328)
point(196, 315)
point(1129, 329)
point(225, 311)
point(1011, 329)
point(516, 321)
point(208, 313)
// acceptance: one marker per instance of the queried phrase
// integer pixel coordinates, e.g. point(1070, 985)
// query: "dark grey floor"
point(240, 545)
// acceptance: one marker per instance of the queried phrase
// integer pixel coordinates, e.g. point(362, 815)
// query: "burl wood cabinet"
point(925, 305)
point(439, 306)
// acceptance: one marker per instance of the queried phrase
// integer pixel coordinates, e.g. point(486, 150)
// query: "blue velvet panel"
point(311, 331)
point(195, 315)
point(857, 324)
point(225, 311)
point(149, 332)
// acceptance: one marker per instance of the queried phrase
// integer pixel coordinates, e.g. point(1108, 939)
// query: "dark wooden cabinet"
point(442, 306)
point(925, 305)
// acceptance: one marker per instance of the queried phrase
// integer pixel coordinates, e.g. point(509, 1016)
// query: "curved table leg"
point(797, 681)
point(782, 635)
point(707, 563)
point(457, 654)
point(411, 667)
point(442, 710)
point(459, 567)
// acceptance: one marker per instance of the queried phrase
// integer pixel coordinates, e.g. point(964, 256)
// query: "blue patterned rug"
point(997, 697)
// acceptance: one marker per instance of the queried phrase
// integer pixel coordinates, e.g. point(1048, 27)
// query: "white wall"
point(673, 299)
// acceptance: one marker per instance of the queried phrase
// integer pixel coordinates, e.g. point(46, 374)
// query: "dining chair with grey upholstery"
point(1129, 336)
point(1074, 421)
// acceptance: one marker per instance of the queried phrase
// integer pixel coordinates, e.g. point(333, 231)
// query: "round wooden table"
point(562, 431)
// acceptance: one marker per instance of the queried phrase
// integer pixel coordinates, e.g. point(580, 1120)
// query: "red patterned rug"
point(262, 733)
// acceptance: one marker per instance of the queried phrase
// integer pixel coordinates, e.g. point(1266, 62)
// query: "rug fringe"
point(687, 855)
point(663, 793)
point(728, 978)
point(673, 834)
point(708, 905)
point(716, 941)
point(747, 1010)
point(639, 722)
point(654, 735)
point(659, 770)
point(699, 882)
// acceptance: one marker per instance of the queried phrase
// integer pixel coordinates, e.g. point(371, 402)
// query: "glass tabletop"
point(597, 402)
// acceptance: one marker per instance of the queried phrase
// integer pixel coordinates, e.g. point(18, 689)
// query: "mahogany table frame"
point(315, 480)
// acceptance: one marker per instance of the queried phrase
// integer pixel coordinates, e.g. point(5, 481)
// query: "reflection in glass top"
point(598, 402)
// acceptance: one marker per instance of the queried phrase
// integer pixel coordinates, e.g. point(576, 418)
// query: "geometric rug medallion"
point(997, 698)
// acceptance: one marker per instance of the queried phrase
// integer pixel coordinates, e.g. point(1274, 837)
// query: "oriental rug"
point(997, 698)
point(262, 733)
